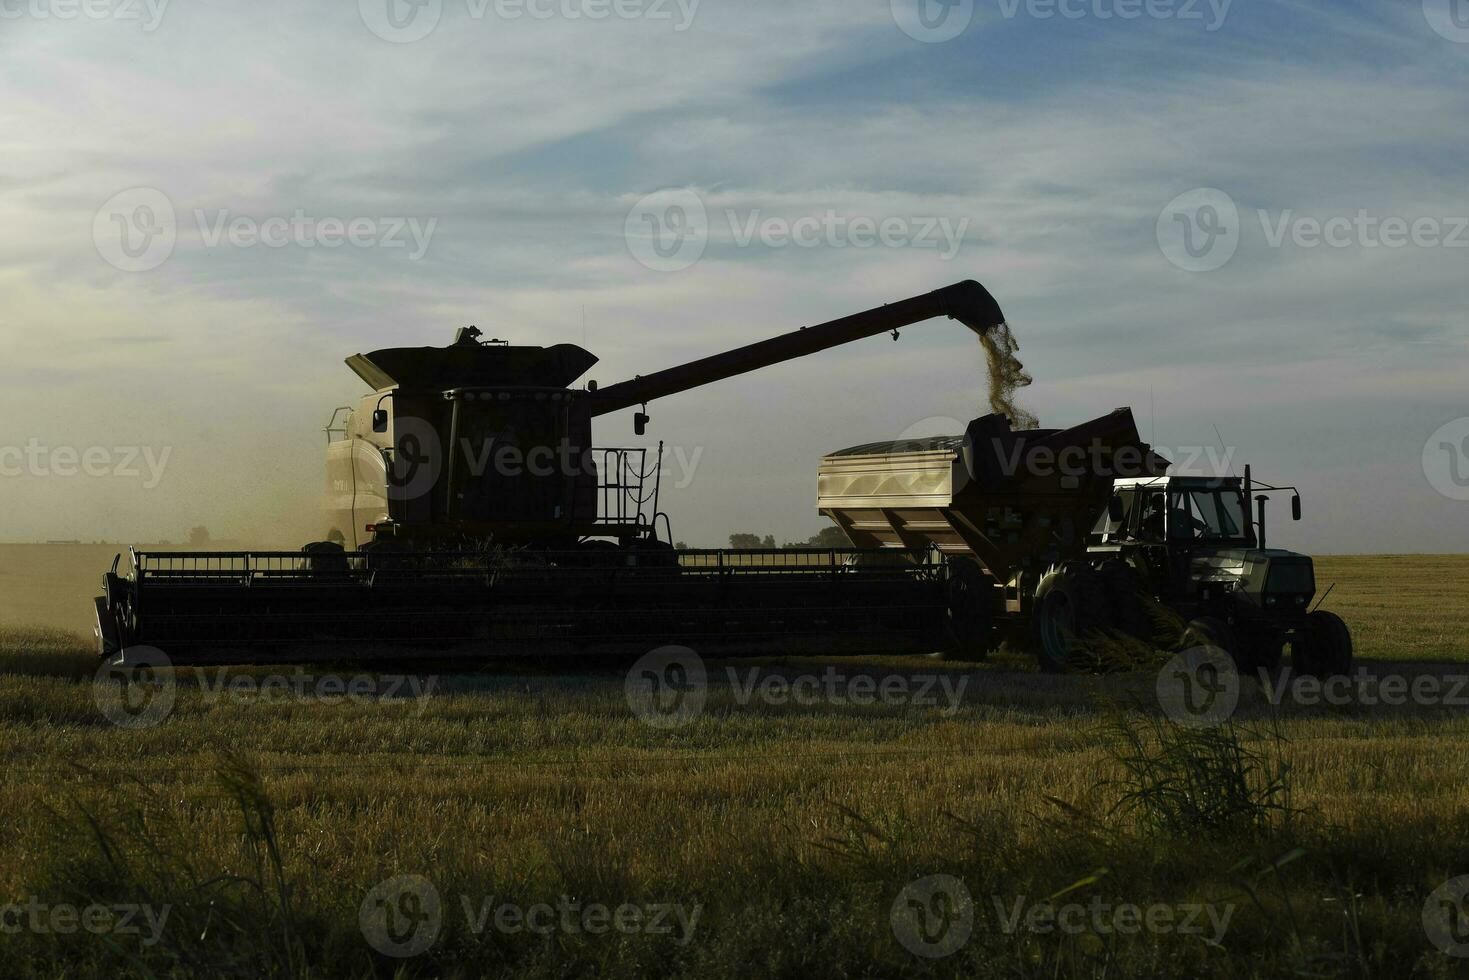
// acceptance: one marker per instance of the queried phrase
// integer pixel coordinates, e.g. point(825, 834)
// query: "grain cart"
point(1062, 535)
point(474, 512)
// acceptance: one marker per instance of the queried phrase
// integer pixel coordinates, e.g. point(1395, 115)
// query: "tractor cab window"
point(1152, 520)
point(1208, 515)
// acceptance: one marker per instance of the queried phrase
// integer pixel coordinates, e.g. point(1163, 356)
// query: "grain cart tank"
point(1010, 504)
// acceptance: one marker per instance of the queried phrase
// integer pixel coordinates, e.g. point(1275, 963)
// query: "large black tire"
point(325, 558)
point(1125, 599)
point(1259, 651)
point(971, 611)
point(652, 553)
point(1211, 631)
point(1071, 603)
point(1323, 647)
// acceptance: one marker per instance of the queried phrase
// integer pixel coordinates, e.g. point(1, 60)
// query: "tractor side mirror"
point(1115, 513)
point(1295, 507)
point(640, 422)
point(380, 420)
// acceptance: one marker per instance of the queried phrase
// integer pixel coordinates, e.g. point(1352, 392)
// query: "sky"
point(1248, 221)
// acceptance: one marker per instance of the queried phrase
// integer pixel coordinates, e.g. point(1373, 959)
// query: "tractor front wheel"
point(1323, 647)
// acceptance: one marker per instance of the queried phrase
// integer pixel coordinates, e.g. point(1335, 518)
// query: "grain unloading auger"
point(480, 515)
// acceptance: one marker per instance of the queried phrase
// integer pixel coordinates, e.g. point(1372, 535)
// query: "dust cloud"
point(1006, 376)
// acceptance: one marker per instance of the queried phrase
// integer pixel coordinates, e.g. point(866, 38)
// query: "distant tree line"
point(827, 537)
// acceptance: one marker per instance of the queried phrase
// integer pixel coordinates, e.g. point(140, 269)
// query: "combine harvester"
point(476, 518)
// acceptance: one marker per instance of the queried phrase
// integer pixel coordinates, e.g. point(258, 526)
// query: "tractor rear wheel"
point(1124, 589)
point(1259, 651)
point(1070, 603)
point(1323, 647)
point(971, 609)
point(1211, 631)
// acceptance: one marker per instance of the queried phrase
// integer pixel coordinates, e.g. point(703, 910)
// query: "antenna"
point(1223, 450)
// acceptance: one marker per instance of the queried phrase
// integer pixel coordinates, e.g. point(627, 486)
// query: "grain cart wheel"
point(1070, 603)
point(971, 608)
point(1323, 647)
